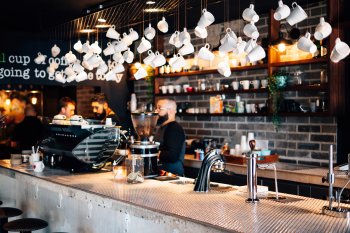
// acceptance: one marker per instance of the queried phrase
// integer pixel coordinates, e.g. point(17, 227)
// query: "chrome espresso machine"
point(144, 124)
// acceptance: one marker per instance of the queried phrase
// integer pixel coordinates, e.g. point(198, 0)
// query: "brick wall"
point(302, 140)
point(84, 95)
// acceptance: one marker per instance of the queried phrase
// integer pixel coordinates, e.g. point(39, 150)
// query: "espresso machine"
point(144, 124)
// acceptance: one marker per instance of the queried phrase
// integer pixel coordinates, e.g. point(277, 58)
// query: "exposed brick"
point(325, 147)
point(256, 119)
point(297, 153)
point(203, 118)
point(308, 146)
point(298, 137)
point(319, 155)
point(309, 128)
point(245, 126)
point(204, 132)
point(281, 144)
point(310, 163)
point(190, 131)
point(271, 136)
point(298, 120)
point(322, 120)
point(328, 129)
point(227, 126)
point(195, 125)
point(264, 127)
point(322, 138)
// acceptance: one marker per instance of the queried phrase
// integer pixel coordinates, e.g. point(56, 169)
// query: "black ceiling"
point(43, 15)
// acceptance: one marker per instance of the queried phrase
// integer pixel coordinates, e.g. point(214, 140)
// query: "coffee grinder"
point(144, 124)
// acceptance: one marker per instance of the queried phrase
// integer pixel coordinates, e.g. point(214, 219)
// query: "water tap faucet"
point(251, 174)
point(211, 160)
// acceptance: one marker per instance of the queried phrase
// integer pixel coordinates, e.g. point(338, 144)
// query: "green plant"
point(275, 83)
point(150, 88)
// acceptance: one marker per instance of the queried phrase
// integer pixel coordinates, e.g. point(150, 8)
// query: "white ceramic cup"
point(322, 30)
point(96, 48)
point(40, 58)
point(159, 60)
point(340, 51)
point(69, 70)
point(133, 34)
point(110, 76)
point(228, 45)
point(86, 47)
point(87, 56)
point(185, 37)
point(109, 50)
point(95, 61)
point(164, 89)
point(128, 56)
point(150, 32)
point(108, 121)
point(235, 85)
point(206, 19)
point(118, 68)
point(71, 77)
point(241, 44)
point(112, 33)
point(256, 54)
point(245, 84)
point(297, 15)
point(118, 57)
point(77, 67)
point(177, 88)
point(163, 26)
point(186, 49)
point(251, 31)
point(306, 45)
point(34, 157)
point(70, 57)
point(38, 166)
point(282, 11)
point(243, 61)
point(60, 77)
point(201, 32)
point(177, 41)
point(82, 76)
point(229, 33)
point(144, 45)
point(224, 69)
point(185, 86)
point(173, 36)
point(147, 60)
point(120, 46)
point(205, 54)
point(140, 73)
point(78, 46)
point(255, 83)
point(250, 15)
point(55, 50)
point(253, 107)
point(264, 83)
point(127, 39)
point(248, 108)
point(234, 62)
point(102, 68)
point(250, 45)
point(179, 63)
point(171, 89)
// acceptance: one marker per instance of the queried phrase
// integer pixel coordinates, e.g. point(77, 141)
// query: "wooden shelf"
point(300, 62)
point(297, 114)
point(228, 91)
point(213, 71)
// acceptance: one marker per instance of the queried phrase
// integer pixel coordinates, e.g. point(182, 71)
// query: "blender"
point(144, 124)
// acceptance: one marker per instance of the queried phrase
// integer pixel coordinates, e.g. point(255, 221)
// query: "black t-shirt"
point(28, 132)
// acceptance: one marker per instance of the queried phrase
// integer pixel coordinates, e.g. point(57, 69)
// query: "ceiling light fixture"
point(103, 26)
point(150, 2)
point(102, 20)
point(154, 10)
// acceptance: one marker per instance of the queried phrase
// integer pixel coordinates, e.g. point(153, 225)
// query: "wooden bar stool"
point(5, 213)
point(25, 225)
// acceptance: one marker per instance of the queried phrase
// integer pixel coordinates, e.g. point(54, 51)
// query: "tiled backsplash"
point(302, 140)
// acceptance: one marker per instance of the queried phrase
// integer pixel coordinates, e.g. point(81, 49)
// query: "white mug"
point(253, 107)
point(241, 44)
point(40, 58)
point(69, 70)
point(264, 83)
point(255, 83)
point(141, 73)
point(60, 77)
point(71, 77)
point(144, 45)
point(282, 11)
point(248, 108)
point(108, 121)
point(82, 76)
point(186, 49)
point(133, 34)
point(149, 58)
point(87, 56)
point(159, 60)
point(256, 54)
point(120, 46)
point(150, 32)
point(118, 68)
point(250, 30)
point(250, 15)
point(340, 51)
point(229, 33)
point(322, 30)
point(206, 19)
point(205, 54)
point(128, 56)
point(55, 50)
point(173, 36)
point(224, 69)
point(95, 61)
point(95, 48)
point(77, 67)
point(185, 37)
point(164, 89)
point(110, 76)
point(251, 44)
point(245, 84)
point(179, 63)
point(102, 68)
point(171, 89)
point(118, 57)
point(163, 25)
point(38, 166)
point(86, 47)
point(177, 88)
point(70, 57)
point(297, 15)
point(78, 46)
point(34, 157)
point(109, 50)
point(306, 45)
point(112, 33)
point(201, 32)
point(228, 45)
point(127, 39)
point(235, 85)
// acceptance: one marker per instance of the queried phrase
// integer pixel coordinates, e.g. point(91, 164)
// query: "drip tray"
point(282, 199)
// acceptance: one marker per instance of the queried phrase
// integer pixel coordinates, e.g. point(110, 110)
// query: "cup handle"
point(113, 26)
point(204, 10)
point(207, 46)
point(131, 30)
point(294, 4)
point(228, 30)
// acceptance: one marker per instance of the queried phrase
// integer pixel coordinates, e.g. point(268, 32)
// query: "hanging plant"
point(150, 88)
point(276, 82)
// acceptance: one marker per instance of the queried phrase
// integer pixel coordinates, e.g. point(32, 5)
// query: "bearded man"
point(171, 137)
point(101, 110)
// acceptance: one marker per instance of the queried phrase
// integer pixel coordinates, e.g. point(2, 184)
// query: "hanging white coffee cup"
point(55, 50)
point(201, 32)
point(110, 76)
point(118, 57)
point(95, 48)
point(228, 45)
point(282, 11)
point(150, 32)
point(82, 76)
point(250, 30)
point(102, 69)
point(109, 50)
point(133, 34)
point(69, 70)
point(172, 60)
point(179, 62)
point(112, 33)
point(158, 60)
point(256, 54)
point(250, 15)
point(229, 33)
point(118, 68)
point(127, 39)
point(340, 51)
point(297, 15)
point(40, 58)
point(78, 46)
point(250, 45)
point(144, 45)
point(140, 73)
point(71, 77)
point(224, 69)
point(86, 47)
point(185, 37)
point(70, 57)
point(322, 30)
point(163, 25)
point(206, 19)
point(305, 44)
point(186, 49)
point(205, 54)
point(149, 58)
point(77, 67)
point(60, 77)
point(241, 44)
point(121, 46)
point(128, 56)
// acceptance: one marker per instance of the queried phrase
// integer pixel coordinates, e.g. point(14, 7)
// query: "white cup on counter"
point(245, 84)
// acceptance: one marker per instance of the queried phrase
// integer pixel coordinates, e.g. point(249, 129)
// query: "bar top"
point(226, 211)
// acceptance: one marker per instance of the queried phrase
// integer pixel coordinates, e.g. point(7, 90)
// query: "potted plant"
point(276, 82)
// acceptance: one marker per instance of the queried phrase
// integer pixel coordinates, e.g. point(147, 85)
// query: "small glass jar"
point(134, 169)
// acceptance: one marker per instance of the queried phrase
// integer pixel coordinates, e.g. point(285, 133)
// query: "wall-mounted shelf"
point(296, 114)
point(227, 91)
point(300, 62)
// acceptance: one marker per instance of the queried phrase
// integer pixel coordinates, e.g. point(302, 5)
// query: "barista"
point(66, 107)
point(101, 110)
point(171, 137)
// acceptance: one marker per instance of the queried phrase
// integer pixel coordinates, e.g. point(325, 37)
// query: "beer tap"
point(251, 174)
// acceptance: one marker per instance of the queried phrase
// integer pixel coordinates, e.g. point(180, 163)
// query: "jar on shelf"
point(134, 169)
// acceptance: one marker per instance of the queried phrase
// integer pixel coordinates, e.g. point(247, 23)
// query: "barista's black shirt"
point(28, 132)
point(172, 147)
